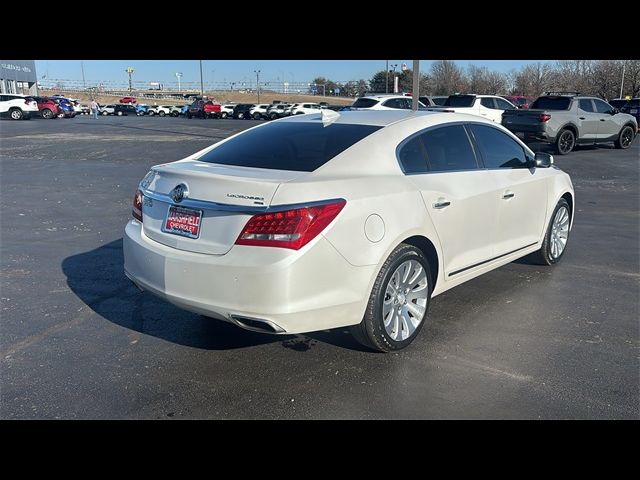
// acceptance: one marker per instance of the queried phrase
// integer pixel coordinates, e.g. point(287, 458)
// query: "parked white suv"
point(160, 110)
point(259, 111)
point(18, 107)
point(487, 106)
point(385, 102)
point(305, 108)
point(108, 109)
point(226, 110)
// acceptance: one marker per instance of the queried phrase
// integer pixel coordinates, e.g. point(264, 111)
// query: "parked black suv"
point(124, 109)
point(632, 106)
point(241, 111)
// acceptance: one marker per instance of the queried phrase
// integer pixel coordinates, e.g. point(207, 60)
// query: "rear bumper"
point(314, 288)
point(536, 132)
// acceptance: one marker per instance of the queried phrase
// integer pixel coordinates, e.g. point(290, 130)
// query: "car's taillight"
point(137, 205)
point(544, 117)
point(290, 228)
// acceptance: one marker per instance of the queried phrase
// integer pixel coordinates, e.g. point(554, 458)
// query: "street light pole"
point(386, 77)
point(84, 85)
point(416, 85)
point(201, 81)
point(624, 63)
point(130, 72)
point(257, 72)
point(394, 66)
point(178, 76)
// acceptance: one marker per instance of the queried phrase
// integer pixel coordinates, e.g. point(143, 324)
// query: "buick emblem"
point(179, 193)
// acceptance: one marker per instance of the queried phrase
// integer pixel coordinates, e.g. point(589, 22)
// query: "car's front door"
point(521, 191)
point(458, 195)
point(608, 128)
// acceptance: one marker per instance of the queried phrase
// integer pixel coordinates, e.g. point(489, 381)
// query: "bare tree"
point(447, 77)
point(631, 78)
point(574, 75)
point(605, 79)
point(533, 79)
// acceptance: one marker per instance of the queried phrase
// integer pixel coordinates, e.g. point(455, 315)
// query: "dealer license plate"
point(183, 221)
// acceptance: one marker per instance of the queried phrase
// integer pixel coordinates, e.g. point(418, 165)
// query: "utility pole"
point(178, 76)
point(415, 92)
point(84, 84)
point(257, 72)
point(624, 63)
point(386, 77)
point(130, 72)
point(395, 88)
point(201, 82)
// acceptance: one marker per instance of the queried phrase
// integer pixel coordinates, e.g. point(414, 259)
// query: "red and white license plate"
point(183, 221)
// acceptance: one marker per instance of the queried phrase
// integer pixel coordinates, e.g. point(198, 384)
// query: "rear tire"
point(256, 116)
point(399, 309)
point(224, 115)
point(103, 113)
point(119, 114)
point(161, 113)
point(240, 116)
point(273, 116)
point(565, 142)
point(48, 114)
point(625, 139)
point(548, 253)
point(16, 114)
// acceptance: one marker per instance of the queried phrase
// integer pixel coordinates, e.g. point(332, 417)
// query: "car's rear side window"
point(364, 103)
point(551, 103)
point(298, 146)
point(448, 149)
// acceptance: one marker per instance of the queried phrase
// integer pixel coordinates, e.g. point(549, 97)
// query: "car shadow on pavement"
point(97, 278)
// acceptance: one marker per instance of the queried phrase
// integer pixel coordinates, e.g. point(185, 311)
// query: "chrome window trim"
point(225, 207)
point(479, 160)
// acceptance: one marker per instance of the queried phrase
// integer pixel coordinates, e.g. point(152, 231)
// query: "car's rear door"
point(459, 197)
point(588, 120)
point(521, 191)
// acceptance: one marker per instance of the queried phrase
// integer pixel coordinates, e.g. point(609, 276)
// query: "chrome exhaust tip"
point(256, 324)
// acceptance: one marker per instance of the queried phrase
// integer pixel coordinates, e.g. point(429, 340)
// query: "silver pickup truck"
point(567, 119)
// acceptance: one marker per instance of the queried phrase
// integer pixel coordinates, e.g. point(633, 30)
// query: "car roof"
point(383, 118)
point(385, 95)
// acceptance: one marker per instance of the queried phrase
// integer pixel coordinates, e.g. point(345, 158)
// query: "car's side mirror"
point(543, 160)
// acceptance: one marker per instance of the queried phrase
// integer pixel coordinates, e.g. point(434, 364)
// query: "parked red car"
point(47, 107)
point(520, 101)
point(128, 100)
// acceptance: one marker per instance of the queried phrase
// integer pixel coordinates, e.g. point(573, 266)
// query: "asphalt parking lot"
point(77, 340)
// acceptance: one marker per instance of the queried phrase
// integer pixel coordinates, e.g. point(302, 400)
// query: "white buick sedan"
point(344, 219)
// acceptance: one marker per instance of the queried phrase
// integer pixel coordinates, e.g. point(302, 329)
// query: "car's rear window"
point(364, 103)
point(460, 101)
point(298, 146)
point(551, 103)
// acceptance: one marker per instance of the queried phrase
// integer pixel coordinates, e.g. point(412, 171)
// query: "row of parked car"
point(19, 107)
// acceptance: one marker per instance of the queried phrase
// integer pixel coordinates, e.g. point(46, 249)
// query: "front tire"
point(119, 114)
point(398, 303)
point(162, 113)
point(557, 235)
point(224, 115)
point(565, 142)
point(625, 139)
point(48, 114)
point(105, 113)
point(240, 116)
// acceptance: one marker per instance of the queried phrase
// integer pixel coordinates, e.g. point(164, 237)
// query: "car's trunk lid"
point(224, 196)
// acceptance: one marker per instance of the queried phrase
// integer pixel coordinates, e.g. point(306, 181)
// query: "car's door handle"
point(441, 203)
point(506, 195)
point(582, 118)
